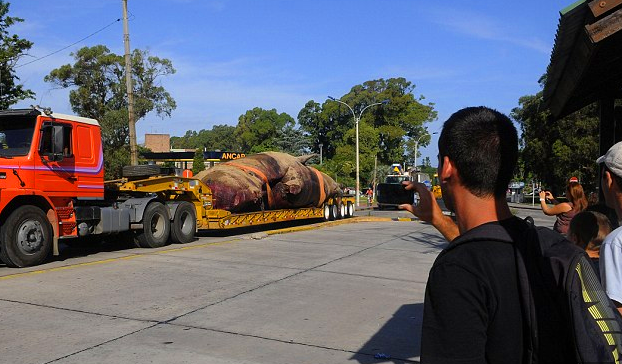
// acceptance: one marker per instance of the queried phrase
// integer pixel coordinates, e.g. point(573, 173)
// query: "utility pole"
point(130, 90)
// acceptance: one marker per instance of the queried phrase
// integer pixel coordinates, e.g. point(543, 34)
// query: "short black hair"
point(483, 144)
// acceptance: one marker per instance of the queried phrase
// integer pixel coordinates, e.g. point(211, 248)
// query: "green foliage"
point(555, 150)
point(340, 171)
point(98, 90)
point(384, 131)
point(257, 129)
point(198, 163)
point(114, 160)
point(220, 137)
point(292, 141)
point(429, 170)
point(12, 49)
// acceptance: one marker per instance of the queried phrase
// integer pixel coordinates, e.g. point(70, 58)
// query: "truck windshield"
point(16, 135)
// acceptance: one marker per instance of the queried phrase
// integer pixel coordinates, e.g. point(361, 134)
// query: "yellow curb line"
point(104, 261)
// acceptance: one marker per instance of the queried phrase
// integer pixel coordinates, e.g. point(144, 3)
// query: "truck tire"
point(184, 223)
point(327, 212)
point(156, 226)
point(350, 209)
point(342, 211)
point(26, 237)
point(143, 170)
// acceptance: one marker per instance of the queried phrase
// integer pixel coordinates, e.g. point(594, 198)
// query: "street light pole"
point(321, 145)
point(417, 147)
point(356, 121)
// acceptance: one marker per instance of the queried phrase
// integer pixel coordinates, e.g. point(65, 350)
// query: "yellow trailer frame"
point(173, 188)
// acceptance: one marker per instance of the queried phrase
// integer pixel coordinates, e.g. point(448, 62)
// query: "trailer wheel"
point(334, 212)
point(350, 208)
point(342, 211)
point(184, 223)
point(26, 237)
point(156, 226)
point(141, 171)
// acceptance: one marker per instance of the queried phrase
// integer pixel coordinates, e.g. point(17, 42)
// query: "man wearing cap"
point(611, 249)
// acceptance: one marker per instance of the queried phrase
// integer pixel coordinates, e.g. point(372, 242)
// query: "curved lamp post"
point(356, 121)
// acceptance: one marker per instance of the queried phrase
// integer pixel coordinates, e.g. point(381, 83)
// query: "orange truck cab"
point(48, 162)
point(52, 186)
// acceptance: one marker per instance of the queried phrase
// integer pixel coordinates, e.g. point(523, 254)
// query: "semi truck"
point(52, 188)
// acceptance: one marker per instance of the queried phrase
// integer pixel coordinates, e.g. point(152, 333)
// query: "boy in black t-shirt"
point(472, 309)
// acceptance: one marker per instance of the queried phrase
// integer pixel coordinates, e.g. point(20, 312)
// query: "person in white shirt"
point(611, 249)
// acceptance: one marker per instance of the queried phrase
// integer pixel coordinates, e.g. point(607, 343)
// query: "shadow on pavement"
point(427, 239)
point(397, 341)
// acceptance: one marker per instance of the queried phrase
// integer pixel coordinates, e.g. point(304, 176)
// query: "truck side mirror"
point(51, 146)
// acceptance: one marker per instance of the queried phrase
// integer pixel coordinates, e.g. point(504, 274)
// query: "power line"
point(71, 45)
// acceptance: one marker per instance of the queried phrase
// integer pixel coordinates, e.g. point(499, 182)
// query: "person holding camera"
point(472, 307)
point(564, 211)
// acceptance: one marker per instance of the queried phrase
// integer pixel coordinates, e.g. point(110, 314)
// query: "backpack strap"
point(530, 319)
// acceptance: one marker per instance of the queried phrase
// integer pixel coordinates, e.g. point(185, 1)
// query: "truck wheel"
point(334, 211)
point(350, 208)
point(156, 226)
point(26, 237)
point(141, 171)
point(184, 223)
point(342, 211)
point(328, 212)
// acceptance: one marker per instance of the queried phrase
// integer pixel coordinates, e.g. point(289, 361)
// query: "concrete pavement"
point(333, 294)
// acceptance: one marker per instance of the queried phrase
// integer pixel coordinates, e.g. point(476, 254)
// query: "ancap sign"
point(223, 156)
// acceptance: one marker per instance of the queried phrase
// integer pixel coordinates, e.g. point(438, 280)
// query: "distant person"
point(472, 310)
point(611, 248)
point(587, 230)
point(564, 211)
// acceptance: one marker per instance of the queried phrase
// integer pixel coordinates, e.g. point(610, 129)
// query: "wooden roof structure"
point(586, 61)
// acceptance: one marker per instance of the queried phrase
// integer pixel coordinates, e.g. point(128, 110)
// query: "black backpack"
point(556, 278)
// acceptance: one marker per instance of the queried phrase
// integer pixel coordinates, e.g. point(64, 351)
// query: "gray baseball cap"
point(613, 159)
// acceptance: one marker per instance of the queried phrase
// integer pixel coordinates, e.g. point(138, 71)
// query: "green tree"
point(293, 141)
point(97, 82)
point(12, 49)
point(555, 150)
point(319, 128)
point(257, 129)
point(198, 163)
point(388, 127)
point(220, 137)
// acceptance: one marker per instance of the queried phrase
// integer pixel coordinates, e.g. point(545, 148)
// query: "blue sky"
point(233, 55)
